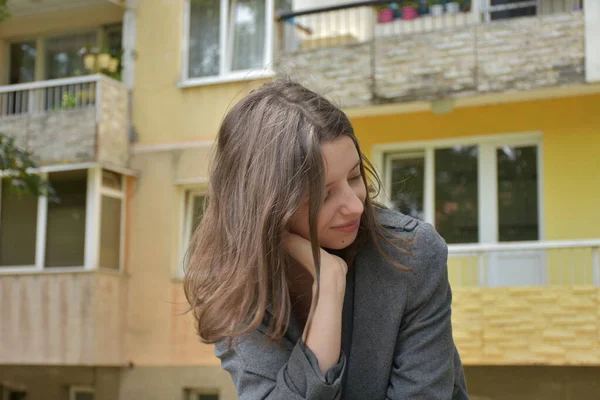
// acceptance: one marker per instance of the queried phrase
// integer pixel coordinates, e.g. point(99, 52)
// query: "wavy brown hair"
point(268, 157)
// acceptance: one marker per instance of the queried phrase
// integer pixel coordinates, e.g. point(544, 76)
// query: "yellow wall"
point(162, 111)
point(571, 150)
point(76, 19)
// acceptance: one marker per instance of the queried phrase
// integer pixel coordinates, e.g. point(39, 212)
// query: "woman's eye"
point(357, 177)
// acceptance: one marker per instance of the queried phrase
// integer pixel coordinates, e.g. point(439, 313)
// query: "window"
point(193, 213)
point(84, 229)
point(62, 55)
point(18, 227)
point(193, 209)
point(111, 220)
point(22, 62)
point(81, 393)
point(59, 56)
point(225, 37)
point(480, 192)
point(65, 224)
point(8, 393)
point(200, 394)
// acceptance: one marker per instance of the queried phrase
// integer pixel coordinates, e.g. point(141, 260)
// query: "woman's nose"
point(352, 205)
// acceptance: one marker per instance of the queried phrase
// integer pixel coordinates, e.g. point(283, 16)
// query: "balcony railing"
point(69, 120)
point(543, 263)
point(367, 55)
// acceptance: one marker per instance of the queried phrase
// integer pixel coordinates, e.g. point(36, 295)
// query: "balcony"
point(72, 120)
point(534, 303)
point(369, 57)
point(74, 318)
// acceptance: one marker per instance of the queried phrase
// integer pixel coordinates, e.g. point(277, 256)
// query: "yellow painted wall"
point(162, 111)
point(61, 21)
point(571, 150)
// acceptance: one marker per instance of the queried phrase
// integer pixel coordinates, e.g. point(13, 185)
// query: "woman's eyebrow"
point(352, 169)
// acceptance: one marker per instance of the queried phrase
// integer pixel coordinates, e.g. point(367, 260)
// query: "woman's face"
point(345, 195)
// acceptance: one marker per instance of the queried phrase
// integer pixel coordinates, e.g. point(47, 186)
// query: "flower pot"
point(89, 61)
point(409, 12)
point(385, 15)
point(436, 9)
point(113, 65)
point(452, 8)
point(103, 60)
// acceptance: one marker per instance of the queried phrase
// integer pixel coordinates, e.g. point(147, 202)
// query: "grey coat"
point(401, 343)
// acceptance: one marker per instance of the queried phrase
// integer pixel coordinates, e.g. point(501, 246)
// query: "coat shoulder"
point(418, 245)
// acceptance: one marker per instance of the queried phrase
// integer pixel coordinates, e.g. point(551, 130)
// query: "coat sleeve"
point(426, 363)
point(266, 371)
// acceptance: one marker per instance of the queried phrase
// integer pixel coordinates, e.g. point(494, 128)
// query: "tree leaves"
point(16, 166)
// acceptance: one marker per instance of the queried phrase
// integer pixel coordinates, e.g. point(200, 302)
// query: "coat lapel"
point(379, 302)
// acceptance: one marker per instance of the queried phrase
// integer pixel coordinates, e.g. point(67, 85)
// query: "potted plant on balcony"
point(385, 13)
point(410, 9)
point(436, 7)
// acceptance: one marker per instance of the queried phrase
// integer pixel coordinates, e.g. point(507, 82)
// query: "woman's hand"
point(323, 330)
point(333, 268)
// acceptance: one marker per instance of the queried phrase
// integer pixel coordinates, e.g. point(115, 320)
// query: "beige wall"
point(53, 383)
point(158, 333)
point(533, 383)
point(168, 383)
point(57, 22)
point(74, 318)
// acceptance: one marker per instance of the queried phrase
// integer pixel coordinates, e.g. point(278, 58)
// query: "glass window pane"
point(456, 199)
point(22, 62)
point(84, 396)
point(204, 40)
point(517, 194)
point(62, 55)
point(18, 227)
point(197, 211)
point(65, 235)
point(248, 28)
point(208, 397)
point(407, 189)
point(110, 233)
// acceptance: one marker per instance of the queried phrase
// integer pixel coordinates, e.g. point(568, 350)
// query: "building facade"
point(482, 119)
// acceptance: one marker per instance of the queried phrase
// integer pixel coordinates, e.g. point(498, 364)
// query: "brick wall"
point(55, 137)
point(528, 325)
point(508, 55)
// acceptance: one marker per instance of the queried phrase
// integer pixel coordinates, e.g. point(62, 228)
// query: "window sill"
point(240, 76)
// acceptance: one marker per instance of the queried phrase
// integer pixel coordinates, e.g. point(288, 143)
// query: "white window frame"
point(225, 74)
point(74, 390)
point(92, 224)
point(187, 210)
point(486, 174)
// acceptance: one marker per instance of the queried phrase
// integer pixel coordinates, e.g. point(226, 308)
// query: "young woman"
point(308, 289)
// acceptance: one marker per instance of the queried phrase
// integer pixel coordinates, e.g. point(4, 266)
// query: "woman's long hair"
point(268, 158)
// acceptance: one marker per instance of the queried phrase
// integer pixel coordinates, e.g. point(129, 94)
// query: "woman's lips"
point(349, 227)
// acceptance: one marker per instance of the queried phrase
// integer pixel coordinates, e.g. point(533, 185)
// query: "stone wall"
point(58, 137)
point(113, 130)
point(77, 135)
point(528, 325)
point(508, 55)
